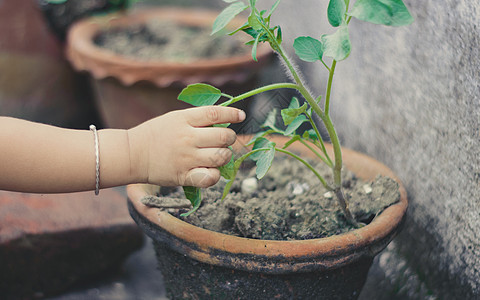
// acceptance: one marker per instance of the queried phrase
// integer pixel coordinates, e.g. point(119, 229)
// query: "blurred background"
point(410, 97)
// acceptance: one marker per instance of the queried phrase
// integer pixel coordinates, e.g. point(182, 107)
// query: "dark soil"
point(169, 41)
point(289, 203)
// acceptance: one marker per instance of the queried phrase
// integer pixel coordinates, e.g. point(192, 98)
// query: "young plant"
point(328, 49)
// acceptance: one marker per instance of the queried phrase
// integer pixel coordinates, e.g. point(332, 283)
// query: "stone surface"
point(138, 278)
point(410, 97)
point(49, 242)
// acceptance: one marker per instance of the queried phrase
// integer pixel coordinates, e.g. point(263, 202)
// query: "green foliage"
point(228, 171)
point(193, 194)
point(308, 49)
point(291, 113)
point(384, 12)
point(292, 127)
point(227, 15)
point(263, 158)
point(200, 94)
point(328, 49)
point(336, 12)
point(337, 45)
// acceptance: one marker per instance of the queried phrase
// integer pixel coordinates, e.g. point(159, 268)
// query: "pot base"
point(186, 278)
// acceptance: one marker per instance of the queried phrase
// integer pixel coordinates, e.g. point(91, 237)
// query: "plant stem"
point(322, 180)
point(319, 140)
point(254, 92)
point(326, 160)
point(344, 205)
point(329, 87)
point(337, 170)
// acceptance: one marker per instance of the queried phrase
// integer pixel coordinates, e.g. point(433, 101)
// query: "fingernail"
point(241, 115)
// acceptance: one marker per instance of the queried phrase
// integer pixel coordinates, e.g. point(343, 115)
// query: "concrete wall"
point(410, 97)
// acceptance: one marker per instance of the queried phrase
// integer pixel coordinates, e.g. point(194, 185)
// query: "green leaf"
point(270, 120)
point(264, 158)
point(227, 188)
point(227, 15)
point(254, 48)
point(228, 171)
point(384, 12)
point(242, 28)
point(195, 196)
point(224, 125)
point(259, 143)
point(253, 33)
point(337, 45)
point(289, 114)
point(274, 6)
point(259, 135)
point(279, 35)
point(295, 124)
point(336, 12)
point(310, 134)
point(264, 163)
point(200, 94)
point(236, 166)
point(294, 103)
point(308, 48)
point(253, 3)
point(254, 22)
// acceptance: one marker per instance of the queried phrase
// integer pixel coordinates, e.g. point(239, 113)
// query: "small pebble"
point(296, 189)
point(249, 185)
point(328, 195)
point(367, 188)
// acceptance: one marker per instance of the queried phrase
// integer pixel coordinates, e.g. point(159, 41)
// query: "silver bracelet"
point(97, 160)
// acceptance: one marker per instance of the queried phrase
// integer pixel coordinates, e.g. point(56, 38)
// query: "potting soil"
point(289, 203)
point(169, 41)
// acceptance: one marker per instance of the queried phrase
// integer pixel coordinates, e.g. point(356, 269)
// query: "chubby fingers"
point(207, 174)
point(209, 115)
point(214, 137)
point(213, 157)
point(202, 177)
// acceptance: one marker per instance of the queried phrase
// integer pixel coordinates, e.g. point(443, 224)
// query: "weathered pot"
point(130, 91)
point(202, 264)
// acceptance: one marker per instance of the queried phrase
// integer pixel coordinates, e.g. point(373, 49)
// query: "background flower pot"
point(130, 91)
point(203, 264)
point(36, 81)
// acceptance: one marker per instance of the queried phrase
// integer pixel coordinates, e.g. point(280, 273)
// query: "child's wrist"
point(138, 156)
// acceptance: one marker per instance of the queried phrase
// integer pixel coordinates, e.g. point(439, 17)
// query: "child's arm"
point(173, 149)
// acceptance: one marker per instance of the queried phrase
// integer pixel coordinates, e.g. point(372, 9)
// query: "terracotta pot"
point(63, 14)
point(131, 91)
point(202, 264)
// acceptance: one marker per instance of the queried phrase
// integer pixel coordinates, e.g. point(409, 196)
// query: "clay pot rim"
point(101, 63)
point(297, 255)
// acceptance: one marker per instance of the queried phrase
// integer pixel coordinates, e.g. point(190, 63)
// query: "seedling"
point(327, 49)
